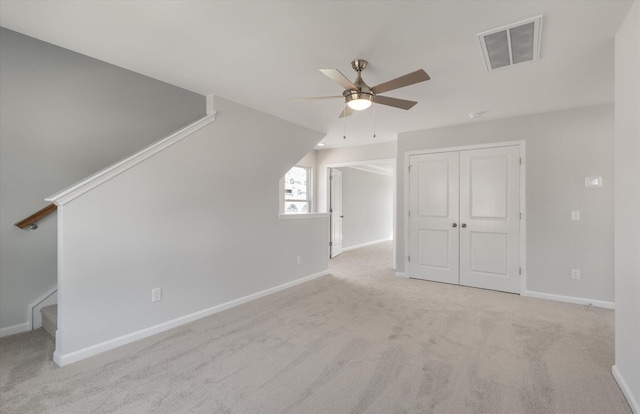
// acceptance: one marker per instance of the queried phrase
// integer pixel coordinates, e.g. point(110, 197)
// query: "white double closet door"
point(464, 218)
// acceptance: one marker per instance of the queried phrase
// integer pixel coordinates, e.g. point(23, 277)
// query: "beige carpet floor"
point(357, 341)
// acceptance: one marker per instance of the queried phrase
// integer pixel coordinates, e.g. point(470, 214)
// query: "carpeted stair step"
point(50, 320)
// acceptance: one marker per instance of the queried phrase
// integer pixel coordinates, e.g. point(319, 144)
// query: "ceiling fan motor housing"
point(359, 64)
point(363, 93)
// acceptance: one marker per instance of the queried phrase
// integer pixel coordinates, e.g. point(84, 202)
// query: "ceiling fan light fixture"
point(359, 101)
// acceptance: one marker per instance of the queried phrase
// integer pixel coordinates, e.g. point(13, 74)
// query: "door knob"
point(454, 225)
point(463, 225)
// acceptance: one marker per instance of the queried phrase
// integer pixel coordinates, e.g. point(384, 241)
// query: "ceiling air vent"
point(511, 44)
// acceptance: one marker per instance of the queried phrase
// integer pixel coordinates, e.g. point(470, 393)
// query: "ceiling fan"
point(358, 95)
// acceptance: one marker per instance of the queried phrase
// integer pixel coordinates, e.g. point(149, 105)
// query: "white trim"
point(570, 299)
point(283, 216)
point(465, 147)
point(357, 246)
point(75, 356)
point(15, 329)
point(371, 170)
point(402, 274)
point(81, 187)
point(382, 161)
point(523, 212)
point(61, 279)
point(633, 403)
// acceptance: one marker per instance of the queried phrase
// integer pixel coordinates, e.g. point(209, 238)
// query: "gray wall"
point(64, 116)
point(199, 220)
point(627, 206)
point(342, 156)
point(562, 148)
point(367, 205)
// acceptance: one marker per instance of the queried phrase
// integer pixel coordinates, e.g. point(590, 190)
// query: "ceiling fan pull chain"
point(344, 124)
point(374, 119)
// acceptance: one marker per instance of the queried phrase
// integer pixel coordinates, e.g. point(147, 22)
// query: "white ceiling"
point(262, 53)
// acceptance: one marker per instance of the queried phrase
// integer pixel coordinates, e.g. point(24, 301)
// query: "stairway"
point(50, 320)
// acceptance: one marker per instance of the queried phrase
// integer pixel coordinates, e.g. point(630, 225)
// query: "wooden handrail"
point(32, 219)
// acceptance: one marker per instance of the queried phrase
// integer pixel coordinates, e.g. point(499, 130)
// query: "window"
point(297, 197)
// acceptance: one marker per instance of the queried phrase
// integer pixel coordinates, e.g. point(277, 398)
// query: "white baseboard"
point(357, 246)
point(402, 274)
point(570, 299)
point(75, 356)
point(15, 329)
point(631, 399)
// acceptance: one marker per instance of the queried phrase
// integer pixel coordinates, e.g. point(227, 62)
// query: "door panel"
point(336, 212)
point(490, 218)
point(433, 178)
point(488, 253)
point(433, 208)
point(488, 179)
point(434, 248)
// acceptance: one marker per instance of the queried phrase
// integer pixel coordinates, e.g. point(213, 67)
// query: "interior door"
point(464, 218)
point(433, 217)
point(335, 211)
point(490, 218)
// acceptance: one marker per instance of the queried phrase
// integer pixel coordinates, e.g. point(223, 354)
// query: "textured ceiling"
point(262, 53)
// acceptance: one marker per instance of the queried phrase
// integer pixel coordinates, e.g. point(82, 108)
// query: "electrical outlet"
point(575, 274)
point(156, 294)
point(575, 215)
point(297, 259)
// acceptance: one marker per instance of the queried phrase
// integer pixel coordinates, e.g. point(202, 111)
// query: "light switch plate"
point(593, 182)
point(575, 215)
point(156, 294)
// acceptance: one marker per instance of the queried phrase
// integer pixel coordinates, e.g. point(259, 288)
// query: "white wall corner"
point(631, 399)
point(210, 105)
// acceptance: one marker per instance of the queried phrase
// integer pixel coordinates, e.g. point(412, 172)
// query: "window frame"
point(308, 198)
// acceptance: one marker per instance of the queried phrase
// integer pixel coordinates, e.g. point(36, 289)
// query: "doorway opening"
point(362, 204)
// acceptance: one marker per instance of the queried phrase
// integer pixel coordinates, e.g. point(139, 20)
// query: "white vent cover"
point(511, 44)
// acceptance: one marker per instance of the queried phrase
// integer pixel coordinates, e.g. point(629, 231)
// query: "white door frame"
point(523, 205)
point(392, 161)
point(335, 213)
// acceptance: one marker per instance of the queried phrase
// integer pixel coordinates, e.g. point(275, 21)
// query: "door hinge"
point(409, 213)
point(521, 215)
point(409, 167)
point(330, 244)
point(330, 210)
point(408, 258)
point(519, 270)
point(520, 160)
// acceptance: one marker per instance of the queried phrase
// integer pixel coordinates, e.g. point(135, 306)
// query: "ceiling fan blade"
point(395, 102)
point(337, 76)
point(402, 81)
point(316, 98)
point(347, 111)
